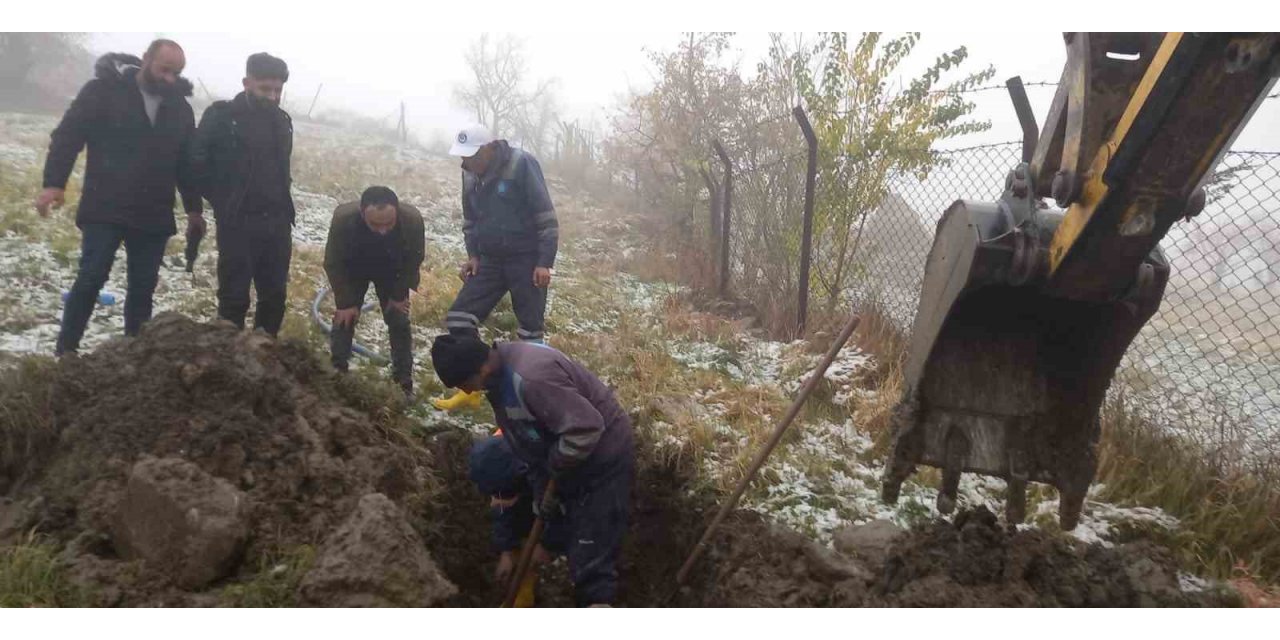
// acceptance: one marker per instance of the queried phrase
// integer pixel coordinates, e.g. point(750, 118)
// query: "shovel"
point(526, 552)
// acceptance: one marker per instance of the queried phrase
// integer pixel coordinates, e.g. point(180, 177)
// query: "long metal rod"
point(772, 444)
point(313, 100)
point(806, 241)
point(526, 552)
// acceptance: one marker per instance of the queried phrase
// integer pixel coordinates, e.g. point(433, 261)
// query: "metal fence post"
point(713, 216)
point(806, 240)
point(725, 217)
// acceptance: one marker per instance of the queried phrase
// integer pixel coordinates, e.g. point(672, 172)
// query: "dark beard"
point(259, 102)
point(158, 87)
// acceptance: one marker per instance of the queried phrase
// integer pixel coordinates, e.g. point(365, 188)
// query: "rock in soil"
point(182, 521)
point(375, 559)
point(870, 542)
point(160, 437)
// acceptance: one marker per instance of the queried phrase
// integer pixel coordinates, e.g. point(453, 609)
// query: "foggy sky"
point(373, 72)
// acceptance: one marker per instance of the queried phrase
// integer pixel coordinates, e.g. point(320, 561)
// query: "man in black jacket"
point(137, 125)
point(242, 152)
point(378, 240)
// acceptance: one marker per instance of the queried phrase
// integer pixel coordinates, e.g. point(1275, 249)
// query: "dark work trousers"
point(593, 522)
point(98, 245)
point(482, 291)
point(398, 326)
point(254, 249)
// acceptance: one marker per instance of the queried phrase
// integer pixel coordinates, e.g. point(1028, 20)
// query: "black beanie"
point(457, 358)
point(265, 65)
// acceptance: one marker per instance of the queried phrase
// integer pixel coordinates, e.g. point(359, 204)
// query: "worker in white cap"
point(511, 235)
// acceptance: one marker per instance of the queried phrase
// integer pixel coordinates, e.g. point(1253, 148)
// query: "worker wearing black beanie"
point(458, 358)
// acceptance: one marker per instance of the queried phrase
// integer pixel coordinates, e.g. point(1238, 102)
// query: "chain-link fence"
point(1208, 363)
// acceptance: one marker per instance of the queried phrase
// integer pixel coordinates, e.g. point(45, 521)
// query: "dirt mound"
point(262, 421)
point(976, 562)
point(971, 562)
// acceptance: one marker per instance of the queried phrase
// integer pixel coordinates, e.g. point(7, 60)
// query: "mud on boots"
point(563, 424)
point(133, 122)
point(511, 234)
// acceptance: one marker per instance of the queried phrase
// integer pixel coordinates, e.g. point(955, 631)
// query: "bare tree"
point(535, 121)
point(497, 95)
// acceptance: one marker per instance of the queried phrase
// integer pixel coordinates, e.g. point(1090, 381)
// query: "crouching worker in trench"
point(381, 241)
point(499, 474)
point(563, 423)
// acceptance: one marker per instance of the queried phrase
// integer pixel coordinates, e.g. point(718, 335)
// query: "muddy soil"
point(267, 418)
point(294, 450)
point(971, 561)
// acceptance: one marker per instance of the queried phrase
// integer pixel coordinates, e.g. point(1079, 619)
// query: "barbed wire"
point(1260, 154)
point(989, 145)
point(775, 118)
point(770, 120)
point(993, 87)
point(769, 165)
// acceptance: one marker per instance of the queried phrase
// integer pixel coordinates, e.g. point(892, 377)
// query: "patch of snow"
point(1188, 583)
point(1098, 518)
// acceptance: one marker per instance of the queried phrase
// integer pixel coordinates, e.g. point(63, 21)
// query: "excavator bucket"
point(1025, 311)
point(1001, 379)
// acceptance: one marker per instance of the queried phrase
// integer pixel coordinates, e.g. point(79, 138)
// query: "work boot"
point(460, 400)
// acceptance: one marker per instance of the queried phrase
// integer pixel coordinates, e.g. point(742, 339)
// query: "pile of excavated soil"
point(184, 457)
point(970, 561)
point(973, 561)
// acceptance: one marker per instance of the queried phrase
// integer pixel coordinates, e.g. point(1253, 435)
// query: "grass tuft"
point(32, 575)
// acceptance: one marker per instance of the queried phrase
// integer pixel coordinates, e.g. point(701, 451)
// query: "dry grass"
point(343, 172)
point(878, 335)
point(31, 575)
point(674, 260)
point(26, 417)
point(1230, 520)
point(276, 581)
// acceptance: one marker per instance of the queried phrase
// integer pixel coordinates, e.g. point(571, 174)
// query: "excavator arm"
point(1191, 101)
point(1026, 311)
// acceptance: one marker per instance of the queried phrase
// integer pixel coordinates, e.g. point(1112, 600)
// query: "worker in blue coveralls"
point(562, 422)
point(499, 474)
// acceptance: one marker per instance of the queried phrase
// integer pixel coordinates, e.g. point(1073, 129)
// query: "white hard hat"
point(470, 139)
